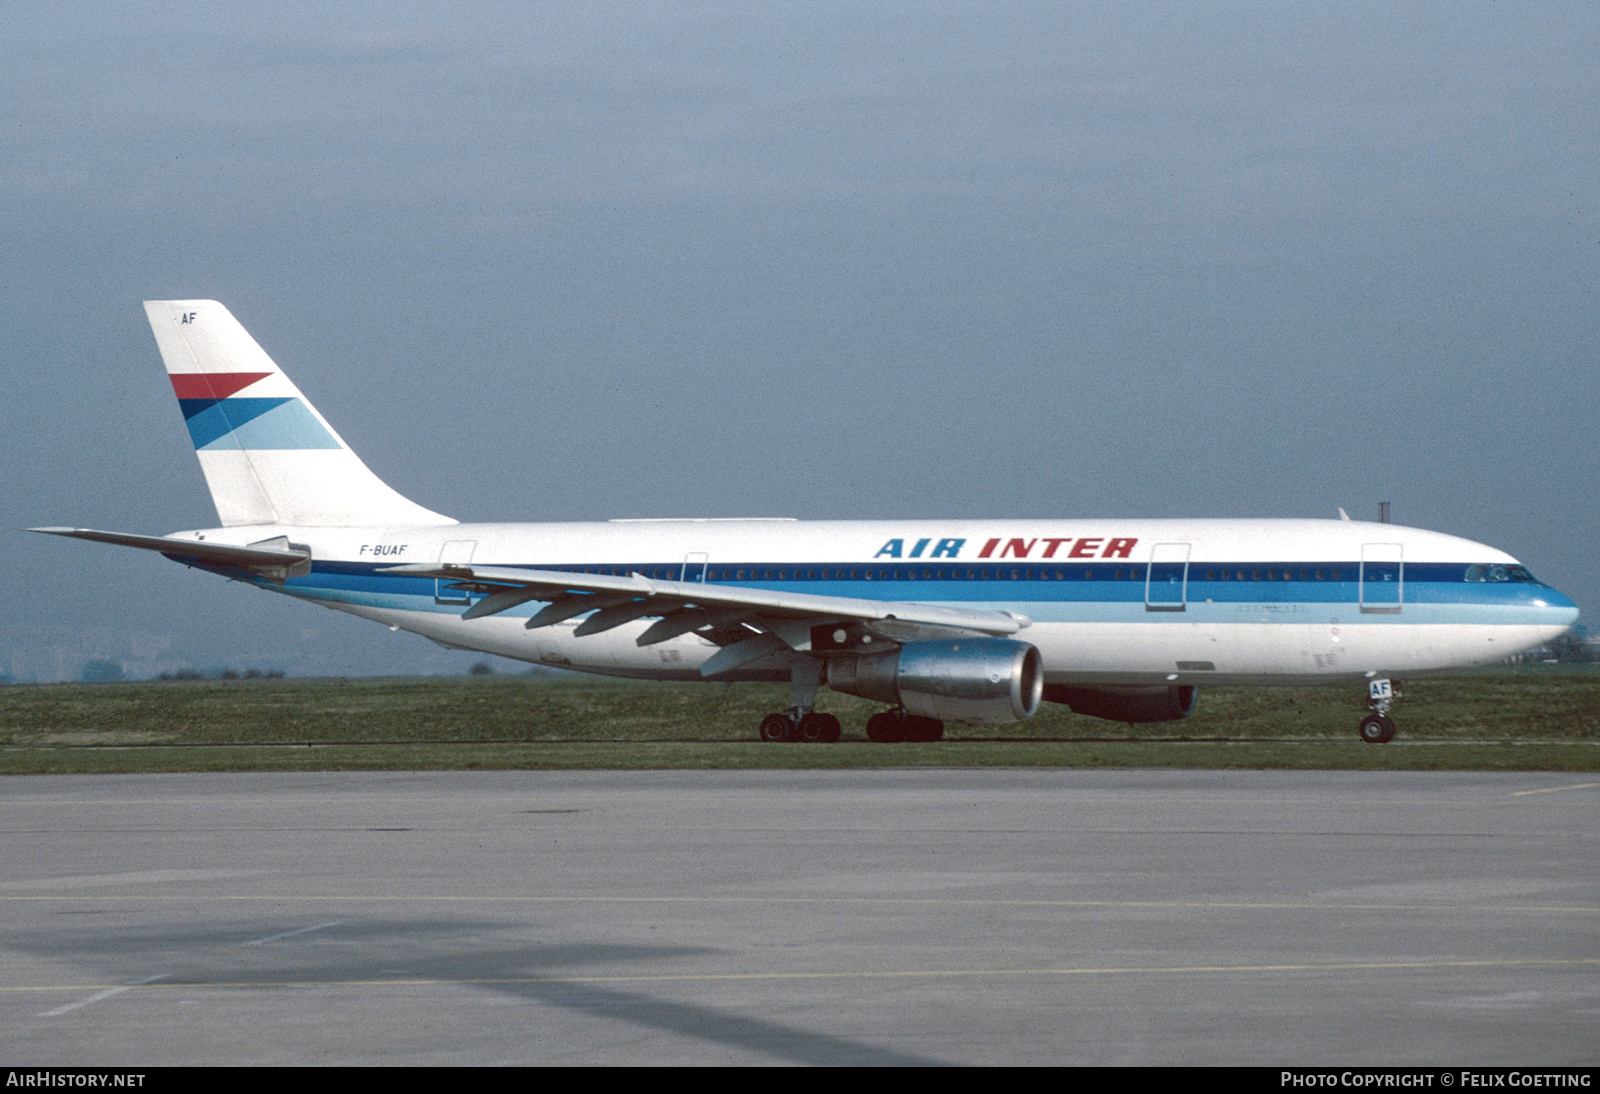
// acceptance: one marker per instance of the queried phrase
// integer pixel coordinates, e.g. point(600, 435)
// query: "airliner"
point(974, 622)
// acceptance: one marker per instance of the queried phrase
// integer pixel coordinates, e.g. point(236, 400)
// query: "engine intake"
point(1135, 704)
point(980, 681)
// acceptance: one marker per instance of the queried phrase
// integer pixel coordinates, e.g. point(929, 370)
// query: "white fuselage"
point(1110, 601)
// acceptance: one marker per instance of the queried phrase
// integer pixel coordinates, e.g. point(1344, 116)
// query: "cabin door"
point(457, 552)
point(694, 566)
point(1383, 577)
point(1166, 585)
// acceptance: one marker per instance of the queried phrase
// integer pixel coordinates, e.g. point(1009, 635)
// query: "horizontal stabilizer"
point(275, 562)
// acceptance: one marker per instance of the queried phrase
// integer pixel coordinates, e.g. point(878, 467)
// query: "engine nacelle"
point(980, 681)
point(1159, 703)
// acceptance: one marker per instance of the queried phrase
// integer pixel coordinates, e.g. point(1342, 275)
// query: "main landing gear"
point(814, 727)
point(811, 727)
point(801, 722)
point(894, 726)
point(1376, 727)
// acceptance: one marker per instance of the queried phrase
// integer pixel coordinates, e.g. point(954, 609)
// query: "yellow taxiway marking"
point(421, 898)
point(902, 974)
point(1553, 789)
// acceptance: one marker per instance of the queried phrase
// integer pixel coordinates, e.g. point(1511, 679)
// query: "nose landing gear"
point(1377, 728)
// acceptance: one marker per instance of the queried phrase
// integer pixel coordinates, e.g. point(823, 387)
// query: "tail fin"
point(268, 456)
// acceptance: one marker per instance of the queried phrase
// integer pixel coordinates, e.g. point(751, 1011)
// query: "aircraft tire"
point(1377, 729)
point(886, 727)
point(923, 729)
point(815, 728)
point(777, 727)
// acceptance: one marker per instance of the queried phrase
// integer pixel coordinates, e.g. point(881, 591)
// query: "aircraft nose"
point(1555, 606)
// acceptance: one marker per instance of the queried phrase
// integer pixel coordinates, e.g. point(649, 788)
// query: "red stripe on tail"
point(213, 385)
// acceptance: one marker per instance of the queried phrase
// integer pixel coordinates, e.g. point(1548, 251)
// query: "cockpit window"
point(1501, 573)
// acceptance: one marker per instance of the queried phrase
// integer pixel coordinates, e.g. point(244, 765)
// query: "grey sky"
point(806, 260)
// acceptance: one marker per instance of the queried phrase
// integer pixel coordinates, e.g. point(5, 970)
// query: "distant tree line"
point(223, 674)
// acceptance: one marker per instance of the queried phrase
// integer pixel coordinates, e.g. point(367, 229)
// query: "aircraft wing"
point(749, 623)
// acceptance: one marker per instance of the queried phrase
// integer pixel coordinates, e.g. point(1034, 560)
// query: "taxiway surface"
point(862, 917)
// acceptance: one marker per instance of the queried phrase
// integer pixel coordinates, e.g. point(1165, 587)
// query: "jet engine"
point(979, 681)
point(1161, 703)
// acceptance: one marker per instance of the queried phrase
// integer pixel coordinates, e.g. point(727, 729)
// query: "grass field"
point(1537, 717)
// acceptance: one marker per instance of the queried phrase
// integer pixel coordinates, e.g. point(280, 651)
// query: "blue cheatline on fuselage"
point(1433, 593)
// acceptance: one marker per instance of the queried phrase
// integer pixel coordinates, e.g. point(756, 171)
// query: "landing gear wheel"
point(776, 727)
point(817, 728)
point(1377, 729)
point(887, 727)
point(923, 729)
